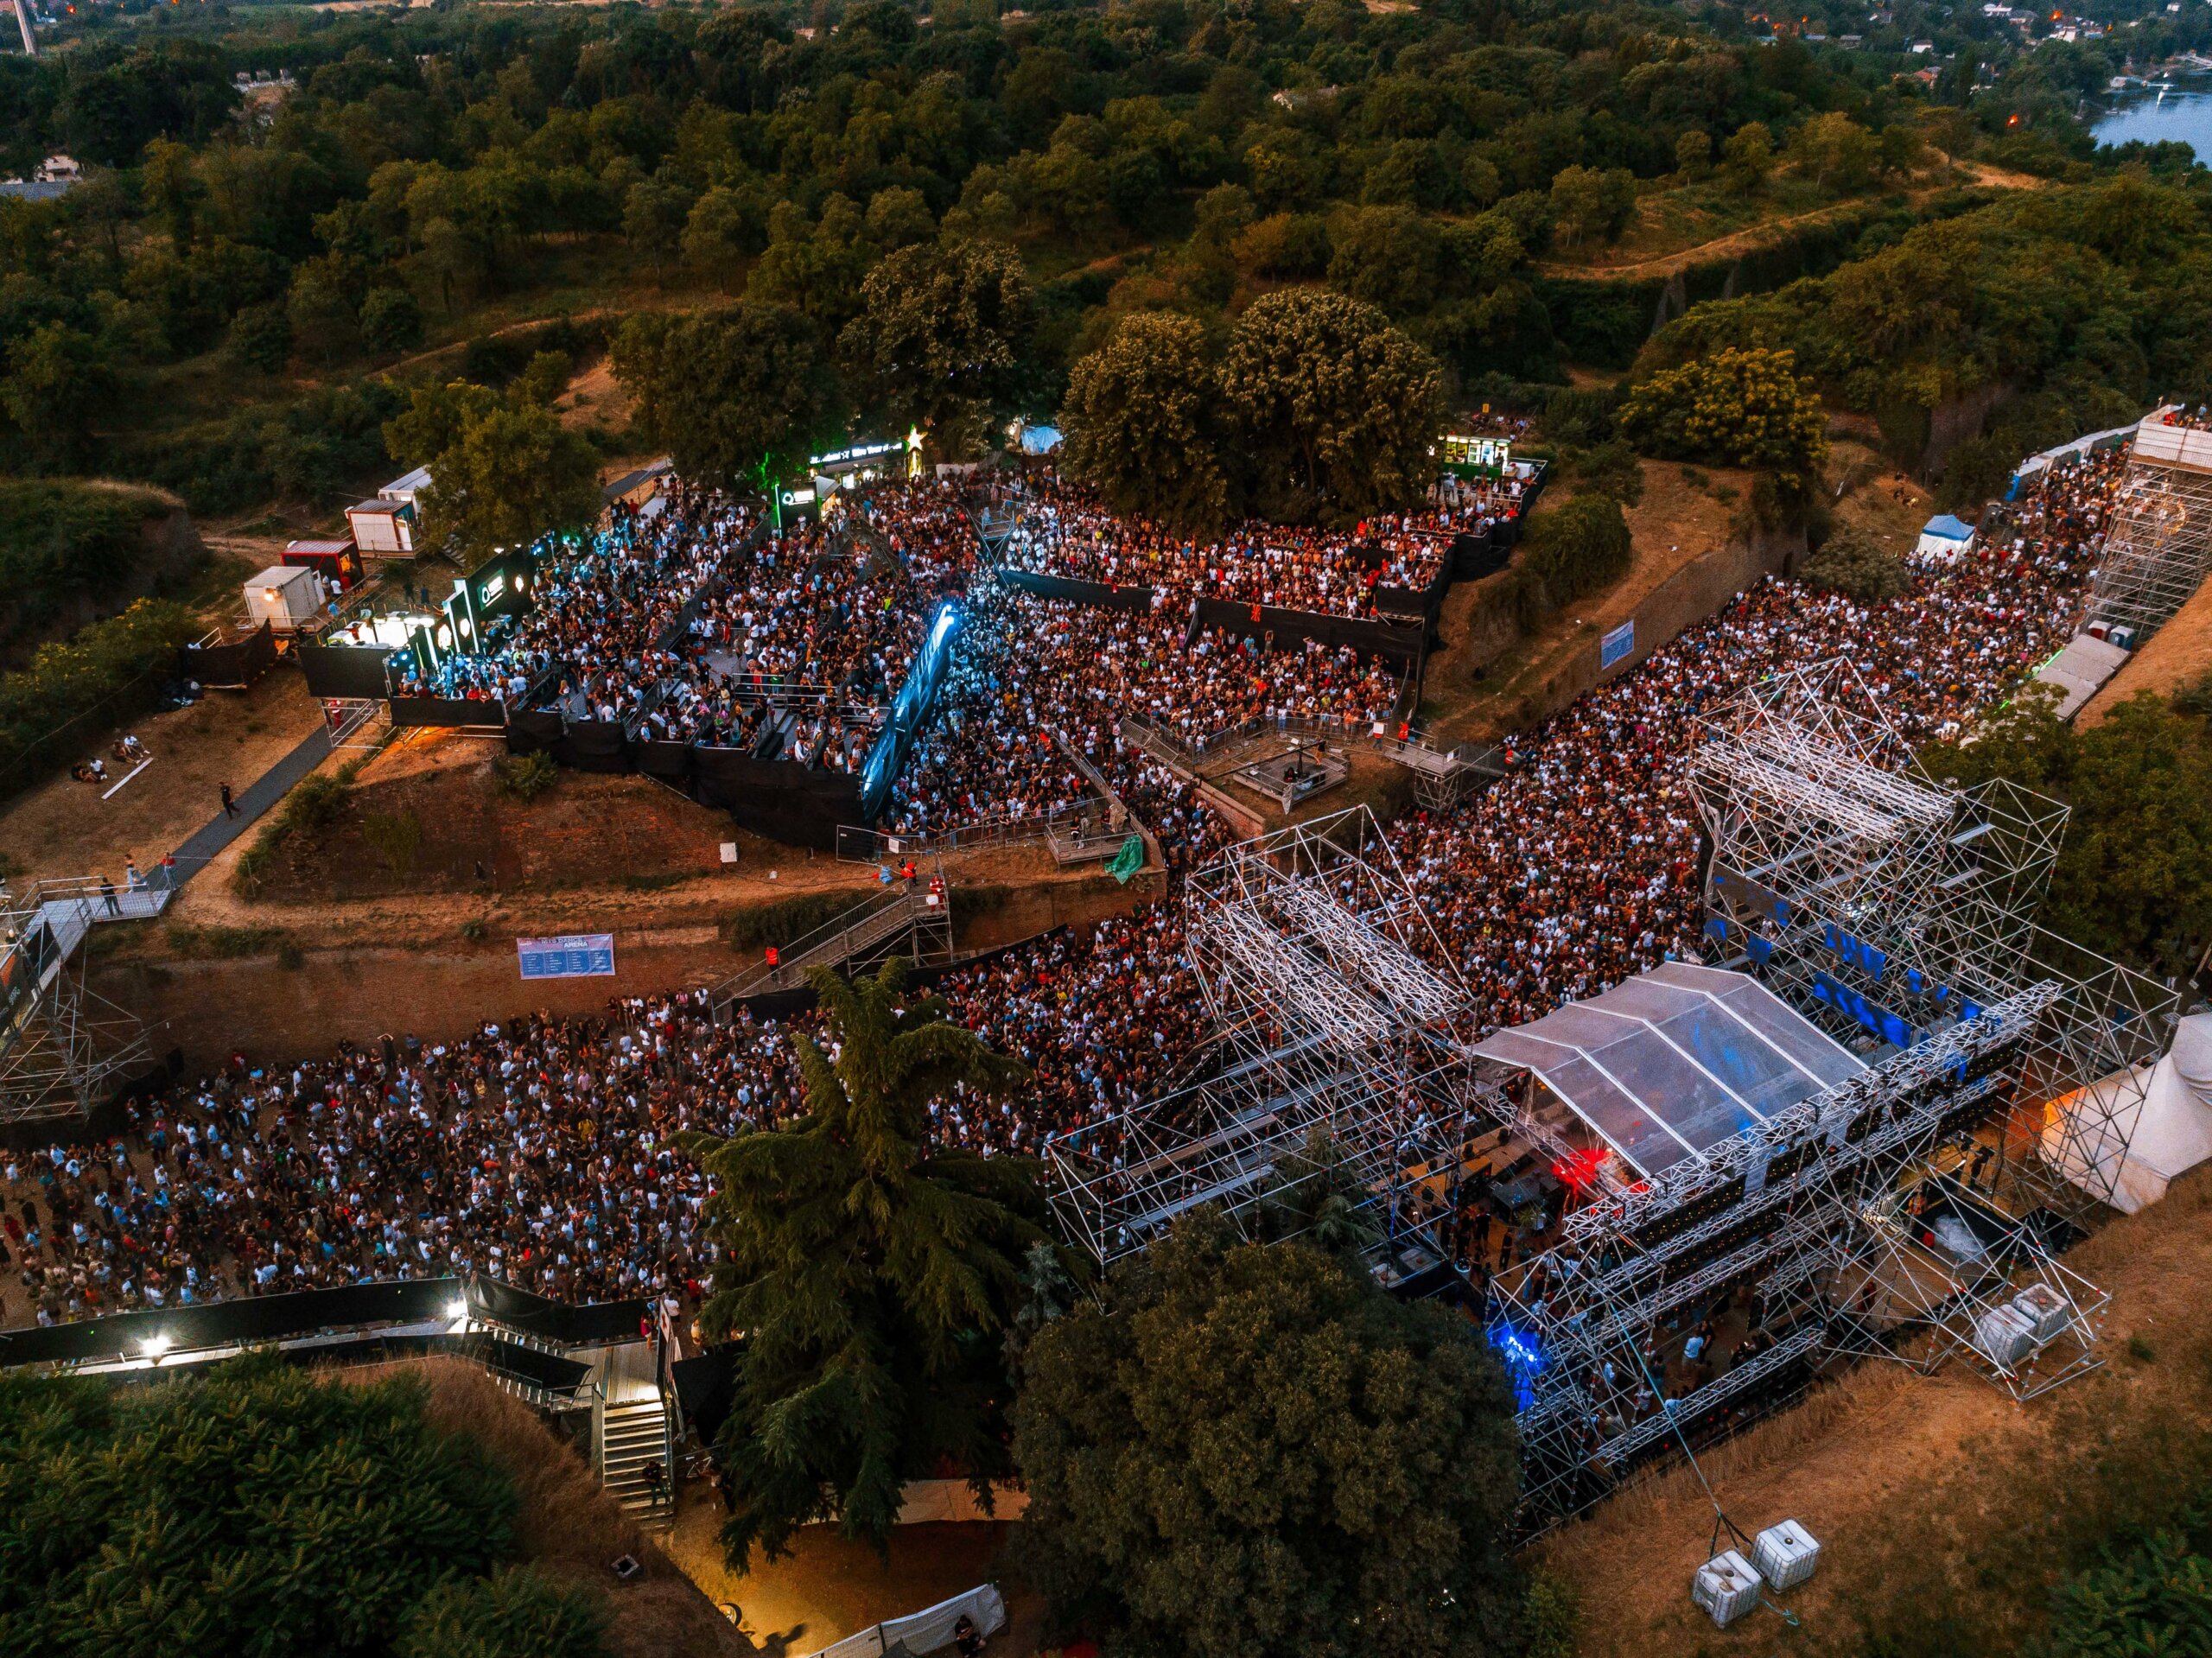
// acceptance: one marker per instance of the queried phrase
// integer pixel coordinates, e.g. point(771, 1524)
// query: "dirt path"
point(1737, 242)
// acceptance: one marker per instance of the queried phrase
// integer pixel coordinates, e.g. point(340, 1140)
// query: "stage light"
point(444, 637)
point(457, 1309)
point(155, 1346)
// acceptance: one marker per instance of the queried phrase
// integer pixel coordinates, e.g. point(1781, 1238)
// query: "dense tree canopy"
point(256, 1509)
point(1330, 397)
point(939, 339)
point(1248, 1450)
point(503, 468)
point(868, 1276)
point(1735, 408)
point(737, 395)
point(1144, 422)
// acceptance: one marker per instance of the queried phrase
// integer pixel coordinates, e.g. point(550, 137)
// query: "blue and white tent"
point(1943, 538)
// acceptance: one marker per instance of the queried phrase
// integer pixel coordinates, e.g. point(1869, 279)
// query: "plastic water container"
point(2045, 1310)
point(2005, 1335)
point(1726, 1587)
point(1785, 1554)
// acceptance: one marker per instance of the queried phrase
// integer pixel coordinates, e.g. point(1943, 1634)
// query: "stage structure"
point(1893, 1189)
point(2158, 548)
point(63, 1047)
point(1848, 1146)
point(1333, 1015)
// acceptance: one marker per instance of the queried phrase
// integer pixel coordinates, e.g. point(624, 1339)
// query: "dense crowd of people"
point(541, 1153)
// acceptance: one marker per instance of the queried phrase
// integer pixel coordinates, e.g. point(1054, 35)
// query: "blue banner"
point(574, 955)
point(1617, 645)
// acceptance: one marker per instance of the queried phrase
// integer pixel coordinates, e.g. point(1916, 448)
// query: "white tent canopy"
point(2167, 1133)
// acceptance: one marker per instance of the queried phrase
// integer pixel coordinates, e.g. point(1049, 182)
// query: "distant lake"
point(2184, 117)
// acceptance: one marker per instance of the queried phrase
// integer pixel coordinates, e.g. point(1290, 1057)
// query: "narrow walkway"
point(251, 801)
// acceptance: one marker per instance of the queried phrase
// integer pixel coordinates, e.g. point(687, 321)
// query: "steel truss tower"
point(62, 1044)
point(2159, 546)
point(1912, 1211)
point(1330, 1014)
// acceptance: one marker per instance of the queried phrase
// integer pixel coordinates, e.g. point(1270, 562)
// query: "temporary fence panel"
point(925, 1631)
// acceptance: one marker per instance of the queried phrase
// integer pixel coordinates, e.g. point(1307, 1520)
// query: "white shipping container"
point(1726, 1587)
point(1785, 1554)
point(286, 596)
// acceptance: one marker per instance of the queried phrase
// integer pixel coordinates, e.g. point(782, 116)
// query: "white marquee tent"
point(2166, 1135)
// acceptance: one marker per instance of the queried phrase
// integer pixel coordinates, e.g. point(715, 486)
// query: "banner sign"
point(1617, 645)
point(573, 955)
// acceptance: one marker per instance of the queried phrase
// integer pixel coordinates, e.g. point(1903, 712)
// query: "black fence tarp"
point(1478, 553)
point(706, 1386)
point(593, 746)
point(352, 671)
point(445, 711)
point(235, 663)
point(306, 1313)
point(1400, 642)
point(1081, 593)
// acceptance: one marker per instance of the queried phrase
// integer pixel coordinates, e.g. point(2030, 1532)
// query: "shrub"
point(1851, 562)
point(249, 1510)
point(512, 1614)
point(1578, 547)
point(525, 776)
point(391, 320)
point(398, 836)
point(786, 919)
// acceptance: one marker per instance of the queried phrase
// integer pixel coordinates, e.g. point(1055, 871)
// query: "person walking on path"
point(230, 806)
point(107, 896)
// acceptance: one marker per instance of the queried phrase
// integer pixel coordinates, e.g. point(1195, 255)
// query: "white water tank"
point(1785, 1554)
point(1726, 1587)
point(2045, 1310)
point(2005, 1335)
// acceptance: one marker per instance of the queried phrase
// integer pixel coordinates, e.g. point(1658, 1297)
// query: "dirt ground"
point(829, 1587)
point(1677, 522)
point(2175, 657)
point(1857, 1456)
point(64, 828)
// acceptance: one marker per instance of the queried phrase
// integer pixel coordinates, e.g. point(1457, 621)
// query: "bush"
point(113, 666)
point(398, 836)
point(249, 1510)
point(261, 337)
point(1578, 547)
point(786, 919)
point(316, 802)
point(525, 776)
point(1611, 468)
point(391, 320)
point(1851, 562)
point(63, 543)
point(512, 1614)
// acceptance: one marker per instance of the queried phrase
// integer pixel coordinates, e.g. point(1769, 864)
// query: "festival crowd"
point(541, 1153)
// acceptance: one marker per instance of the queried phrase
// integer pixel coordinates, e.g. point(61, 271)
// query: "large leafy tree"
point(738, 395)
point(1334, 400)
point(1144, 424)
point(868, 1274)
point(503, 468)
point(256, 1510)
point(1735, 408)
point(1248, 1450)
point(939, 338)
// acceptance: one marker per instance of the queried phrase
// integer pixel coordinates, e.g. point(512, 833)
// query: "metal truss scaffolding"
point(2159, 546)
point(62, 1044)
point(1329, 1015)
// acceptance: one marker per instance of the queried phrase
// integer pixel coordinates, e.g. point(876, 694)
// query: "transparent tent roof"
point(1675, 1060)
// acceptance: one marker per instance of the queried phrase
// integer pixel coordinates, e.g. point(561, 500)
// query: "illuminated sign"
point(1477, 453)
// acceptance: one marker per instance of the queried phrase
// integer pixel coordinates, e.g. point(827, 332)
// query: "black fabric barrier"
point(237, 665)
point(344, 671)
point(533, 731)
point(1478, 553)
point(445, 711)
point(1400, 642)
point(706, 1386)
point(496, 1301)
point(263, 1318)
point(1081, 593)
point(593, 746)
point(670, 762)
point(799, 805)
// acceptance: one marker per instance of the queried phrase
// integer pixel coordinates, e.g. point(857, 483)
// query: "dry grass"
point(1947, 1513)
point(566, 1525)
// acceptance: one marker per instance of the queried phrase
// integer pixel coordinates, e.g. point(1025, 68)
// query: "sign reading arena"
point(573, 955)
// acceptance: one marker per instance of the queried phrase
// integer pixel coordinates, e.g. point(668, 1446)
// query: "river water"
point(2182, 116)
